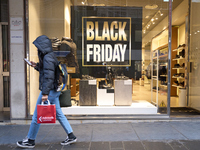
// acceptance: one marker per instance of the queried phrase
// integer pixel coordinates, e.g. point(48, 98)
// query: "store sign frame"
point(93, 42)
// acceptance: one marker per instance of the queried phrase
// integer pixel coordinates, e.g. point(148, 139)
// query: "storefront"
point(109, 41)
point(121, 55)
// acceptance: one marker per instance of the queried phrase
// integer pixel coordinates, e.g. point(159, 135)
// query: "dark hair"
point(40, 56)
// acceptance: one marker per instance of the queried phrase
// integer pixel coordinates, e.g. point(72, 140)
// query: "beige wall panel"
point(45, 18)
point(35, 30)
point(53, 21)
point(182, 34)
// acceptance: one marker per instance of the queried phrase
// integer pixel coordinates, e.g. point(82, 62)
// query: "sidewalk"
point(109, 135)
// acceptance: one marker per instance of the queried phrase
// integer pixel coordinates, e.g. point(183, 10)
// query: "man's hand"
point(33, 64)
point(44, 97)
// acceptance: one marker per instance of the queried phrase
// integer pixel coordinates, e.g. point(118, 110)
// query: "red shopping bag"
point(46, 113)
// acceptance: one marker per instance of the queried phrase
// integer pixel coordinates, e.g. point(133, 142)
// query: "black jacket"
point(47, 79)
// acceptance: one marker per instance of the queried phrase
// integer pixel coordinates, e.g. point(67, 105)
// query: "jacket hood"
point(43, 43)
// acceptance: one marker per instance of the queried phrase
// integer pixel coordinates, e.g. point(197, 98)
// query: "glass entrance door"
point(4, 68)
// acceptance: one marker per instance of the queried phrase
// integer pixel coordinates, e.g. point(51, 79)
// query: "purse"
point(65, 98)
point(46, 113)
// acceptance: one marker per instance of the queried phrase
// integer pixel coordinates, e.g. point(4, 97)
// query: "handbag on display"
point(46, 113)
point(65, 98)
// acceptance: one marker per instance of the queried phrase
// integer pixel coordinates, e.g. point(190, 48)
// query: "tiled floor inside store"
point(143, 92)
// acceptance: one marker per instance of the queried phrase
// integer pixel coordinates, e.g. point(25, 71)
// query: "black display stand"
point(87, 93)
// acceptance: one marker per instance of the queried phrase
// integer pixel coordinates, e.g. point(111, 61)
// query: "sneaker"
point(26, 143)
point(68, 141)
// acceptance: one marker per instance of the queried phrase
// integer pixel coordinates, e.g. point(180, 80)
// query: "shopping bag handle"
point(47, 101)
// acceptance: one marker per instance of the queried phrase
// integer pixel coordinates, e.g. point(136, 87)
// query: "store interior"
point(146, 88)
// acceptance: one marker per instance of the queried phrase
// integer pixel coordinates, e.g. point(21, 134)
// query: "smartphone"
point(27, 61)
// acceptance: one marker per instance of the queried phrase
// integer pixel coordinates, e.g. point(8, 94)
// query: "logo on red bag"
point(46, 118)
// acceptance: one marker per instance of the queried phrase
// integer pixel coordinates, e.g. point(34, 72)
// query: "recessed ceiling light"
point(152, 19)
point(156, 18)
point(147, 17)
point(154, 6)
point(83, 3)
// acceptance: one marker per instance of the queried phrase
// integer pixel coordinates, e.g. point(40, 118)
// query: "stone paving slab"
point(116, 145)
point(177, 145)
point(192, 145)
point(176, 135)
point(42, 133)
point(127, 145)
point(13, 134)
point(4, 129)
point(100, 145)
point(133, 145)
point(113, 132)
point(77, 146)
point(83, 132)
point(157, 146)
point(55, 146)
point(191, 130)
point(157, 131)
point(55, 134)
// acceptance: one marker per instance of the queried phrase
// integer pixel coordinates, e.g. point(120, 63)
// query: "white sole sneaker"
point(70, 142)
point(25, 146)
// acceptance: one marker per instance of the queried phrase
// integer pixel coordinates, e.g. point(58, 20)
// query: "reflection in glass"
point(6, 93)
point(5, 48)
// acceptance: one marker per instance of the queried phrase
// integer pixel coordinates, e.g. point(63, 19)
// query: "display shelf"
point(163, 75)
point(178, 58)
point(163, 65)
point(178, 86)
point(178, 49)
point(163, 85)
point(178, 68)
point(77, 93)
point(154, 90)
point(177, 77)
point(160, 56)
point(163, 56)
point(163, 59)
